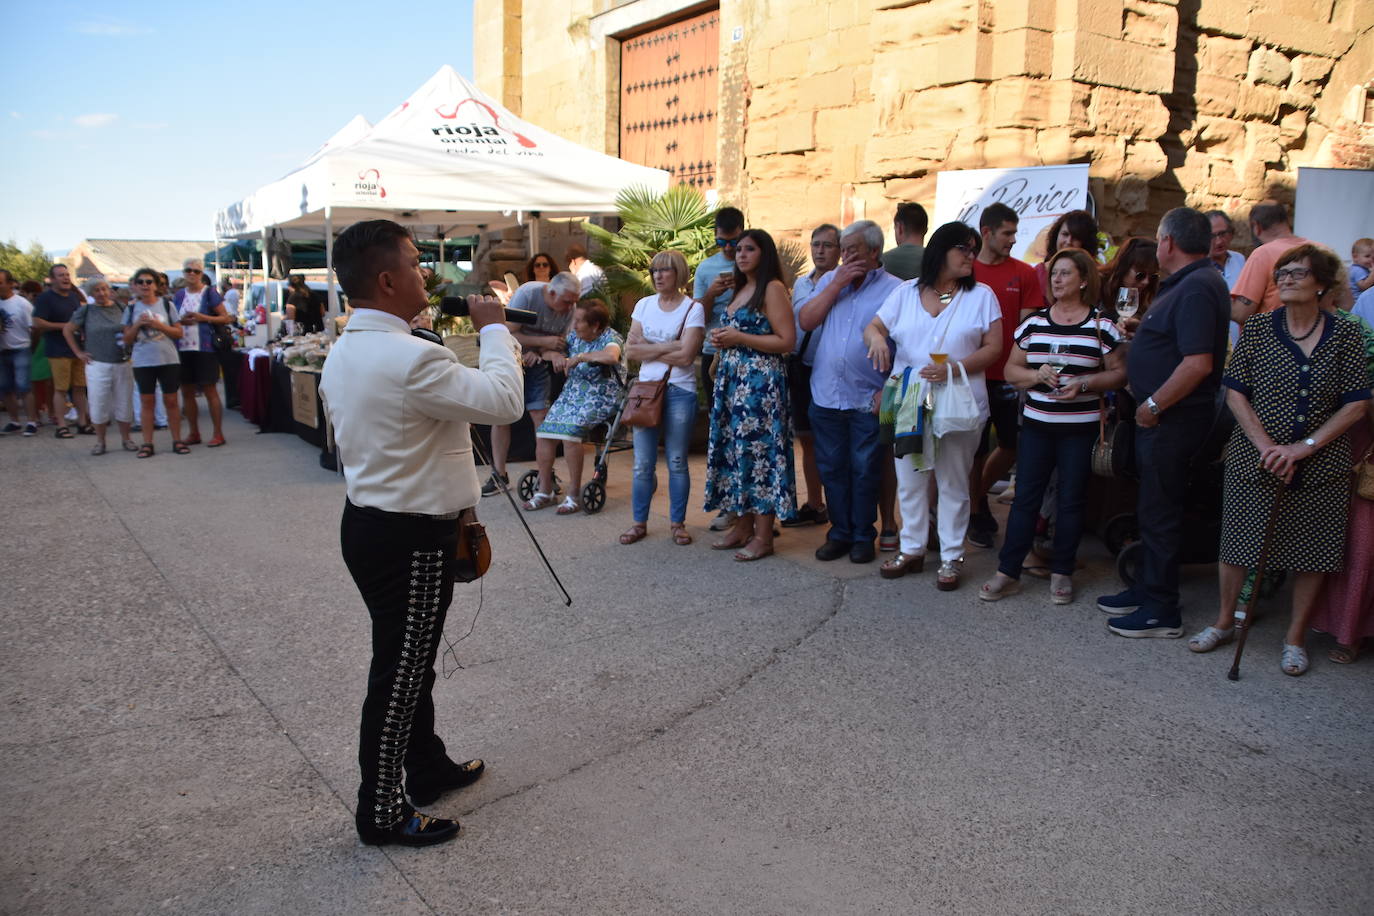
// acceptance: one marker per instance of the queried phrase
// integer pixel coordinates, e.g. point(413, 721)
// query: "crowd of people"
point(915, 379)
point(73, 358)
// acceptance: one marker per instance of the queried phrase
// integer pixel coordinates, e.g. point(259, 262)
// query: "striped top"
point(1085, 356)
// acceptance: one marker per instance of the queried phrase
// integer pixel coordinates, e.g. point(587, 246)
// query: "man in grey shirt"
point(909, 228)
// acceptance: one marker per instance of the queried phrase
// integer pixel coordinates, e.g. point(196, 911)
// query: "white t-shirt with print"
point(190, 333)
point(660, 327)
point(960, 325)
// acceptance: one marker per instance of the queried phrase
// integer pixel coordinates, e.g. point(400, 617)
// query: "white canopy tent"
point(448, 161)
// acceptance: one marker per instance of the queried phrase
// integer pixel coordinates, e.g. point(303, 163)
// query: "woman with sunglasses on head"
point(939, 322)
point(1075, 229)
point(1064, 357)
point(541, 268)
point(152, 328)
point(1136, 266)
point(1298, 380)
point(749, 462)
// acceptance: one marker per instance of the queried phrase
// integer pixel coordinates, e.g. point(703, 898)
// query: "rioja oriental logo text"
point(369, 184)
point(474, 133)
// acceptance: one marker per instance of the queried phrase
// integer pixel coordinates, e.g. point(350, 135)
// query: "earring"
point(1082, 286)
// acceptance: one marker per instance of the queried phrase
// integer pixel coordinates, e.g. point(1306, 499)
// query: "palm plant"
point(677, 220)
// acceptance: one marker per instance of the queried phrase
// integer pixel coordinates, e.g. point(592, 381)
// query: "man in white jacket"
point(400, 407)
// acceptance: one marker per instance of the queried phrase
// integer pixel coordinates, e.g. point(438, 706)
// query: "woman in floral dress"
point(589, 397)
point(749, 468)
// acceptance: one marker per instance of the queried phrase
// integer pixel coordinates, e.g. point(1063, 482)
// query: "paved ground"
point(693, 735)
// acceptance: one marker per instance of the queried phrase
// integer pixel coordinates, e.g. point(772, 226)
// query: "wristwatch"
point(1310, 443)
point(1152, 406)
point(1083, 387)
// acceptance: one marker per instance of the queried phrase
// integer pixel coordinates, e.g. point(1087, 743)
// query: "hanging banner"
point(1039, 195)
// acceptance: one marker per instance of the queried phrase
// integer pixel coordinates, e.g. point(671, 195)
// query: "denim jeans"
point(679, 413)
point(1164, 457)
point(1040, 452)
point(847, 454)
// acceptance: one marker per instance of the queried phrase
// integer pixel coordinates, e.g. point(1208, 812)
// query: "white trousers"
point(110, 388)
point(953, 460)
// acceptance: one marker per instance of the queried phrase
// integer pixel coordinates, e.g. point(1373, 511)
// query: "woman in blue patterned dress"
point(590, 396)
point(749, 456)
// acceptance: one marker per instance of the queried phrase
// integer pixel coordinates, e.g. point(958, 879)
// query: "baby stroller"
point(606, 436)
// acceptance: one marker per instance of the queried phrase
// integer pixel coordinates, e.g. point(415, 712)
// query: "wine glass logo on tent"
point(474, 132)
point(369, 184)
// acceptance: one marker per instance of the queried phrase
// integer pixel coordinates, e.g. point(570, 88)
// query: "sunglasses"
point(192, 270)
point(1141, 275)
point(542, 264)
point(144, 281)
point(1291, 273)
point(727, 243)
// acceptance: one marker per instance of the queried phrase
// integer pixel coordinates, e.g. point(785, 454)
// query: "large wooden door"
point(669, 88)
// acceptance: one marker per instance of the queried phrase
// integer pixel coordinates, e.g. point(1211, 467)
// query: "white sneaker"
point(723, 521)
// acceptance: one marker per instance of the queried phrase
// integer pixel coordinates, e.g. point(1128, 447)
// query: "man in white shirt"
point(16, 322)
point(400, 407)
point(586, 272)
point(825, 257)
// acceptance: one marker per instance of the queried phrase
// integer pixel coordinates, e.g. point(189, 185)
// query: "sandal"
point(901, 564)
point(538, 501)
point(1343, 654)
point(64, 432)
point(215, 442)
point(145, 450)
point(1061, 588)
point(999, 587)
point(129, 446)
point(568, 506)
point(1294, 661)
point(746, 555)
point(947, 578)
point(633, 534)
point(1209, 638)
point(1036, 570)
point(680, 536)
point(87, 430)
point(726, 544)
point(181, 448)
point(98, 448)
point(193, 439)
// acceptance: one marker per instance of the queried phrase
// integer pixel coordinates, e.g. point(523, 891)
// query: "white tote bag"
point(956, 409)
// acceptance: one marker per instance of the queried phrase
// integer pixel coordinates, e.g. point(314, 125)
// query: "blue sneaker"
point(1147, 623)
point(1121, 603)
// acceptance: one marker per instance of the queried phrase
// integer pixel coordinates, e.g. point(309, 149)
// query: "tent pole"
point(534, 233)
point(333, 307)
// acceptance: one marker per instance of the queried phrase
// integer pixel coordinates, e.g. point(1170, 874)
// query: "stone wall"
point(841, 110)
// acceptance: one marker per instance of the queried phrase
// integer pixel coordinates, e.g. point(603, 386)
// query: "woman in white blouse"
point(938, 322)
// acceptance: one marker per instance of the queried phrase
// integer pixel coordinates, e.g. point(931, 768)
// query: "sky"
point(160, 113)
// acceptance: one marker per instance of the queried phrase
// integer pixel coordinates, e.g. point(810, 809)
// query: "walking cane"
point(1245, 615)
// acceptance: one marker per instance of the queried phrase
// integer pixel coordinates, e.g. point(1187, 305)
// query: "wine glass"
point(1058, 357)
point(1127, 302)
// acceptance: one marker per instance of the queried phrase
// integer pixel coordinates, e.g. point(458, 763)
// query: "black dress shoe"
point(425, 789)
point(416, 830)
point(832, 550)
point(808, 515)
point(862, 552)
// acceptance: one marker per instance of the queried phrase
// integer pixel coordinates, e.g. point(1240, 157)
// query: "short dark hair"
point(995, 214)
point(826, 227)
point(938, 246)
point(143, 272)
point(572, 252)
point(52, 271)
point(364, 250)
point(912, 218)
point(596, 312)
point(1190, 230)
point(1268, 215)
point(729, 219)
point(1221, 215)
point(9, 277)
point(1326, 265)
point(1082, 227)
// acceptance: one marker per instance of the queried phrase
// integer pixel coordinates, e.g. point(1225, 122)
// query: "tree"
point(24, 265)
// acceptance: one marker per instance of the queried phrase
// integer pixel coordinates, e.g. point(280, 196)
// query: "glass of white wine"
point(1127, 302)
point(1058, 357)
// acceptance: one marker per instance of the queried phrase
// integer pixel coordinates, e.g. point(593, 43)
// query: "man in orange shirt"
point(1255, 290)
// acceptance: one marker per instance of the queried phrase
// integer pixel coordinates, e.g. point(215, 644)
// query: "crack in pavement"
point(839, 590)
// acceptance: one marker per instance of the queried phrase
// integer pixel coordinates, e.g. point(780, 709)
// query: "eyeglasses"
point(825, 244)
point(1292, 273)
point(192, 270)
point(967, 249)
point(1225, 233)
point(542, 264)
point(662, 270)
point(144, 281)
point(727, 243)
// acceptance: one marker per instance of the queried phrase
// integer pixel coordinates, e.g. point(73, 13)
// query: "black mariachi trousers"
point(403, 566)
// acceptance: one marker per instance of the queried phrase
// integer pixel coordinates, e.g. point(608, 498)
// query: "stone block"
point(1132, 194)
point(890, 155)
point(1269, 66)
point(1102, 61)
point(1227, 17)
point(1022, 103)
point(1222, 56)
point(828, 90)
point(919, 189)
point(796, 132)
point(841, 14)
point(1297, 33)
point(1292, 128)
point(1145, 158)
point(909, 25)
point(1100, 17)
point(1150, 23)
point(1216, 95)
point(1010, 147)
point(1021, 52)
point(774, 98)
point(915, 68)
point(1024, 14)
point(1132, 114)
point(1256, 101)
point(761, 137)
point(967, 150)
point(805, 27)
point(1263, 143)
point(1310, 69)
point(789, 60)
point(1053, 146)
point(1224, 181)
point(1219, 136)
point(963, 57)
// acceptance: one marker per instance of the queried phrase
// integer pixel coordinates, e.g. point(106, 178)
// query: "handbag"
point(644, 403)
point(1364, 475)
point(221, 338)
point(956, 409)
point(1114, 446)
point(473, 555)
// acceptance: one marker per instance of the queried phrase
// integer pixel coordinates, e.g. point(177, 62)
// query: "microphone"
point(457, 307)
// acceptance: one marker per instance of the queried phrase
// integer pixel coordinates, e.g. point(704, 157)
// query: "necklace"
point(1289, 330)
point(944, 297)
